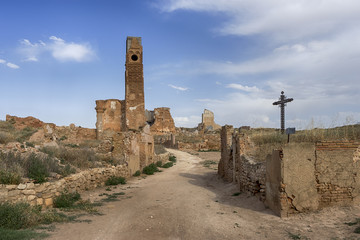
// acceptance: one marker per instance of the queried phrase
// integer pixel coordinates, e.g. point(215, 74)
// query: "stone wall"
point(313, 176)
point(208, 122)
point(45, 193)
point(109, 116)
point(235, 166)
point(163, 123)
point(300, 177)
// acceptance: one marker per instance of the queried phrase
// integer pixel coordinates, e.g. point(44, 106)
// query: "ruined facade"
point(161, 121)
point(208, 122)
point(122, 122)
point(300, 177)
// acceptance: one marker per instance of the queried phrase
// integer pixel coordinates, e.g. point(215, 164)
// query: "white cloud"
point(243, 88)
point(12, 65)
point(191, 121)
point(58, 48)
point(282, 19)
point(178, 88)
point(9, 64)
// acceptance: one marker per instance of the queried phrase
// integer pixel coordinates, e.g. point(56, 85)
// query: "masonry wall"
point(313, 176)
point(45, 193)
point(235, 166)
point(163, 122)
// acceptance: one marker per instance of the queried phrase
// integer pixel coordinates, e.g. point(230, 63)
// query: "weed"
point(5, 137)
point(357, 220)
point(111, 198)
point(172, 159)
point(108, 189)
point(159, 163)
point(72, 145)
point(294, 236)
point(30, 144)
point(236, 194)
point(207, 163)
point(37, 169)
point(115, 181)
point(168, 164)
point(9, 177)
point(6, 234)
point(63, 138)
point(66, 200)
point(151, 169)
point(67, 170)
point(137, 173)
point(357, 230)
point(25, 134)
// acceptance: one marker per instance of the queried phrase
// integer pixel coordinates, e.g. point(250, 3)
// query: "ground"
point(189, 201)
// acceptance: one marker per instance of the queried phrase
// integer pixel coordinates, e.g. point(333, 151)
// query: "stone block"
point(28, 192)
point(48, 202)
point(31, 197)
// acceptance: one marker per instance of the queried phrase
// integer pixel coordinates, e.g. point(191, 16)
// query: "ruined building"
point(299, 177)
point(161, 121)
point(208, 122)
point(122, 122)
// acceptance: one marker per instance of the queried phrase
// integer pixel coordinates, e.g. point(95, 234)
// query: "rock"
point(21, 186)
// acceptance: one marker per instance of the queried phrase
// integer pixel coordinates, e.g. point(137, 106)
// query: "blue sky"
point(233, 57)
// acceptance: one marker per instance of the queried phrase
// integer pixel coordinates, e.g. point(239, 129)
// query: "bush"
point(159, 163)
point(172, 159)
point(115, 181)
point(18, 215)
point(168, 164)
point(66, 200)
point(30, 144)
point(9, 177)
point(151, 169)
point(5, 137)
point(137, 173)
point(25, 134)
point(67, 170)
point(37, 169)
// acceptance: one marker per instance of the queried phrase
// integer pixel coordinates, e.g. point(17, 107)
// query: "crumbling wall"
point(336, 172)
point(109, 116)
point(20, 123)
point(235, 166)
point(192, 139)
point(163, 123)
point(208, 122)
point(305, 177)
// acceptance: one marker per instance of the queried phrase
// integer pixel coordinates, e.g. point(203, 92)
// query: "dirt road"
point(189, 201)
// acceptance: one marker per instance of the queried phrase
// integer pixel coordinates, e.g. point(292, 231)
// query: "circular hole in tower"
point(134, 57)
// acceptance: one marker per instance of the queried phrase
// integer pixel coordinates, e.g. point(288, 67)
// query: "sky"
point(233, 57)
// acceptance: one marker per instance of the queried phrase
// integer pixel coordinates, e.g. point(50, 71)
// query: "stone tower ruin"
point(134, 84)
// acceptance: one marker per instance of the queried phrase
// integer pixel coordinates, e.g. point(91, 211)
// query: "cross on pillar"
point(282, 103)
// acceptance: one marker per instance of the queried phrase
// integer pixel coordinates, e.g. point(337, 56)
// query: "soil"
point(189, 201)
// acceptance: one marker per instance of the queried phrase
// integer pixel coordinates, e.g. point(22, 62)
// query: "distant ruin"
point(297, 178)
point(207, 122)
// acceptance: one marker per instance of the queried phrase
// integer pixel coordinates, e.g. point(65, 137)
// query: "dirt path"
point(188, 201)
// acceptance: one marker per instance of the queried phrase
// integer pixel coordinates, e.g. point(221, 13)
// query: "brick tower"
point(134, 84)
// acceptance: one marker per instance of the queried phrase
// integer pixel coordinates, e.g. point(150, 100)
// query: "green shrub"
point(159, 163)
point(137, 173)
point(67, 170)
point(172, 159)
point(115, 181)
point(7, 234)
point(18, 215)
point(151, 169)
point(25, 134)
point(66, 199)
point(30, 144)
point(168, 164)
point(37, 170)
point(5, 137)
point(63, 138)
point(9, 177)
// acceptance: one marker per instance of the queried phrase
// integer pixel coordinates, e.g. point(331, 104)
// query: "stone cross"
point(282, 102)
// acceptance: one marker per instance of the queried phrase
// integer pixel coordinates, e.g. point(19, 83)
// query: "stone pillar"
point(134, 84)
